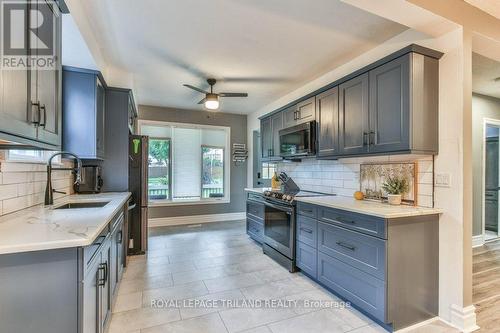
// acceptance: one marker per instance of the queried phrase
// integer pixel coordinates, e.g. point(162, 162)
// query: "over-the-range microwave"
point(298, 141)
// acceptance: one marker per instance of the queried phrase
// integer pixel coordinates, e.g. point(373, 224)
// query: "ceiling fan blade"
point(233, 94)
point(202, 101)
point(195, 88)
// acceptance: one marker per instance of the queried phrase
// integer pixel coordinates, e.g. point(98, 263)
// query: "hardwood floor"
point(486, 286)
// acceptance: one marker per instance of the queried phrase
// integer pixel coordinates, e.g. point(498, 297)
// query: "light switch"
point(442, 180)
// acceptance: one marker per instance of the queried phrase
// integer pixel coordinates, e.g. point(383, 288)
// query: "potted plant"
point(395, 187)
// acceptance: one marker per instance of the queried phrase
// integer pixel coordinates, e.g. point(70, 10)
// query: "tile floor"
point(217, 261)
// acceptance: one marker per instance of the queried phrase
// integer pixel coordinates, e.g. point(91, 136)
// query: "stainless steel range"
point(280, 224)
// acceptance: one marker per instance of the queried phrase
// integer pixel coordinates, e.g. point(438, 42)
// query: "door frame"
point(486, 122)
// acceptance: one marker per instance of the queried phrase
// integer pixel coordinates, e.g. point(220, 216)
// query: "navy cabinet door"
point(266, 134)
point(353, 116)
point(290, 116)
point(390, 106)
point(327, 106)
point(277, 125)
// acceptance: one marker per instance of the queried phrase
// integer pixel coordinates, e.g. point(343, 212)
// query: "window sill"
point(158, 203)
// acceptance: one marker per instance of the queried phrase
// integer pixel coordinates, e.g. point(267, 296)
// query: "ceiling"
point(484, 73)
point(267, 48)
point(491, 7)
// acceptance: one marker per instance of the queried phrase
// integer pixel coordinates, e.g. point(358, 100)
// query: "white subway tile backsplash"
point(425, 178)
point(342, 176)
point(22, 185)
point(8, 191)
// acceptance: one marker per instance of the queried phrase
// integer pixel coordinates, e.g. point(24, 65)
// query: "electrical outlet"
point(131, 243)
point(442, 180)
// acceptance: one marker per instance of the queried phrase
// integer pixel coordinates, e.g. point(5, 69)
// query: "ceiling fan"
point(211, 99)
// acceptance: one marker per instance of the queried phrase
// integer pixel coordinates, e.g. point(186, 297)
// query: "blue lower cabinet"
point(358, 287)
point(255, 229)
point(307, 259)
point(307, 230)
point(364, 252)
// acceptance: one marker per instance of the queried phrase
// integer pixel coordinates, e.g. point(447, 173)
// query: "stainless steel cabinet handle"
point(346, 246)
point(365, 139)
point(309, 231)
point(120, 237)
point(132, 207)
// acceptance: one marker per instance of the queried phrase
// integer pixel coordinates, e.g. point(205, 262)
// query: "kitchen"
point(158, 180)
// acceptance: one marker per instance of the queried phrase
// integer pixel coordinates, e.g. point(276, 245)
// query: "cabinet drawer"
point(361, 289)
point(307, 230)
point(307, 210)
point(366, 224)
point(90, 251)
point(255, 210)
point(255, 229)
point(307, 259)
point(364, 252)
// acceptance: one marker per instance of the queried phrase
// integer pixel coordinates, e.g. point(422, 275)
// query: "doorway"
point(491, 179)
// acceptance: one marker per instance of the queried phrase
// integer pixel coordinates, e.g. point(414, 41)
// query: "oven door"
point(298, 140)
point(279, 228)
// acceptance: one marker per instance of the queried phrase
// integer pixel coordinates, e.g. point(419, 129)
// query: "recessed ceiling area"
point(485, 76)
point(264, 47)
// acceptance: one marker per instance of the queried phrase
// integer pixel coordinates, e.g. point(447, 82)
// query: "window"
point(188, 163)
point(268, 170)
point(32, 156)
point(212, 172)
point(159, 169)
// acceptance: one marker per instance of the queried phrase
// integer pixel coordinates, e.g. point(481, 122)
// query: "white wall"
point(452, 286)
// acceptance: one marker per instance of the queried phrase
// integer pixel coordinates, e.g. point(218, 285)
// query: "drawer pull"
point(346, 246)
point(309, 231)
point(307, 211)
point(341, 220)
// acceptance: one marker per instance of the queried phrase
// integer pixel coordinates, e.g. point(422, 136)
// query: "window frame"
point(169, 167)
point(223, 170)
point(227, 164)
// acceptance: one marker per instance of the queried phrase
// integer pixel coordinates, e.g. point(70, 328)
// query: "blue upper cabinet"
point(387, 107)
point(390, 106)
point(353, 116)
point(83, 112)
point(30, 99)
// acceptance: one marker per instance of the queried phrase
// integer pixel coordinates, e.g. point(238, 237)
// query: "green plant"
point(396, 185)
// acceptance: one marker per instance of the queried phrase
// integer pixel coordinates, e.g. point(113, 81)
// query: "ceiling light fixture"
point(212, 101)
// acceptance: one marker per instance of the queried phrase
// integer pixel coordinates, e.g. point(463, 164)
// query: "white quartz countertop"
point(372, 208)
point(44, 228)
point(367, 207)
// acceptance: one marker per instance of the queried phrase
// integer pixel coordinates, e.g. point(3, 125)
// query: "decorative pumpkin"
point(358, 195)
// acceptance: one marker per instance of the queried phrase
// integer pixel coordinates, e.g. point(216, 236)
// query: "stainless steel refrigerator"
point(138, 186)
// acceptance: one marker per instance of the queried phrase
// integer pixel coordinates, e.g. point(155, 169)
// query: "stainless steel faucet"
point(49, 191)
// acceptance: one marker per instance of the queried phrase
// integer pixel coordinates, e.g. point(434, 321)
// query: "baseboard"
point(195, 219)
point(418, 325)
point(464, 318)
point(477, 240)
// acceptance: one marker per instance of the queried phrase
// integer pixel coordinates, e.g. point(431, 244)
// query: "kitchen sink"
point(75, 205)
